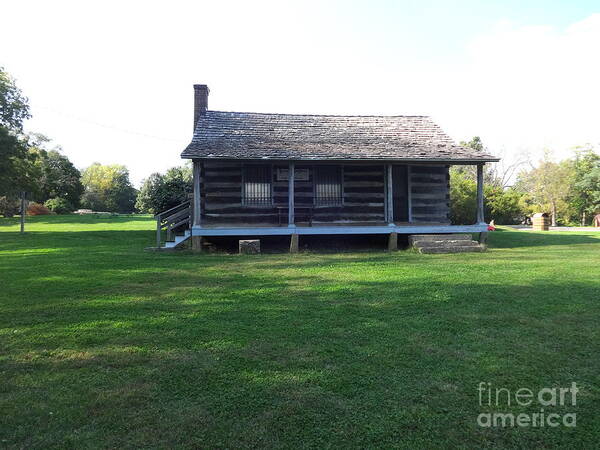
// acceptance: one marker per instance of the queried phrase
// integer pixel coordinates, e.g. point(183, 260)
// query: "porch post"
point(409, 192)
point(197, 200)
point(389, 196)
point(196, 206)
point(291, 218)
point(480, 216)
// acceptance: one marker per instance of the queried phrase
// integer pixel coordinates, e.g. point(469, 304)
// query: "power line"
point(110, 127)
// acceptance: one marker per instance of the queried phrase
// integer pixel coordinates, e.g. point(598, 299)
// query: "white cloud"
point(131, 66)
point(530, 87)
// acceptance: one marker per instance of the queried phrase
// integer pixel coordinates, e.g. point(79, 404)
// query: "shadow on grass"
point(318, 244)
point(297, 358)
point(105, 344)
point(122, 249)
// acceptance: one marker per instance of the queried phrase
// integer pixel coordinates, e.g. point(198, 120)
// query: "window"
point(256, 185)
point(328, 186)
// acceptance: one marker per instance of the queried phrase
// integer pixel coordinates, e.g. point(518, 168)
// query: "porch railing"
point(172, 219)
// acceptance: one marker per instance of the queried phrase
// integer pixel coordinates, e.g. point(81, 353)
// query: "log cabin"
point(258, 174)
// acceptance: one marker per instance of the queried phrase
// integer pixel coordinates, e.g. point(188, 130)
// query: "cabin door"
point(400, 192)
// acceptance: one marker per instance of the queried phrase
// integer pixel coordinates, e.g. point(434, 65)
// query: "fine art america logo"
point(544, 401)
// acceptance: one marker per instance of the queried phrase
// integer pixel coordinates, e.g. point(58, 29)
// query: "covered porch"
point(231, 199)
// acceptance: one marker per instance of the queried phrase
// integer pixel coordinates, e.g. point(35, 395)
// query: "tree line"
point(569, 190)
point(29, 164)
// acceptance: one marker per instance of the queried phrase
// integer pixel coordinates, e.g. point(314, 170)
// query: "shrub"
point(503, 205)
point(59, 205)
point(463, 199)
point(9, 206)
point(161, 192)
point(37, 209)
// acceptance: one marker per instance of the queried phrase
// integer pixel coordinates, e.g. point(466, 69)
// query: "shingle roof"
point(241, 135)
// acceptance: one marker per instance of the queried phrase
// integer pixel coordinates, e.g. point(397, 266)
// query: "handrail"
point(178, 215)
point(187, 202)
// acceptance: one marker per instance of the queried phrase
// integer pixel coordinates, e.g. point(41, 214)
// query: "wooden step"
point(179, 240)
point(439, 237)
point(445, 243)
point(454, 249)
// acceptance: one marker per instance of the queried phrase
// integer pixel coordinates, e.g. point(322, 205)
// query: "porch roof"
point(243, 135)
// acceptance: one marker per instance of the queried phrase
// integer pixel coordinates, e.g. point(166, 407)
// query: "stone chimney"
point(200, 101)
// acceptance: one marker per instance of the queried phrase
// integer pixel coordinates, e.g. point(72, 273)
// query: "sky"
point(111, 81)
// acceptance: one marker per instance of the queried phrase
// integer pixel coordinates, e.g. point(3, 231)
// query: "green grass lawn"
point(105, 345)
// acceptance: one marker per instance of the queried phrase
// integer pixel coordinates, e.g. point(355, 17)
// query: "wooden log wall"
point(222, 188)
point(222, 196)
point(430, 194)
point(363, 190)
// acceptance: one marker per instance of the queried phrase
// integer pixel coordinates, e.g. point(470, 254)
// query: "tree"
point(501, 205)
point(470, 171)
point(59, 205)
point(17, 169)
point(9, 206)
point(590, 184)
point(25, 164)
point(583, 188)
point(548, 186)
point(495, 174)
point(475, 143)
point(503, 172)
point(107, 188)
point(14, 107)
point(59, 179)
point(463, 198)
point(161, 192)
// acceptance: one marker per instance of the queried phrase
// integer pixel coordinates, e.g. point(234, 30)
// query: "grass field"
point(105, 345)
